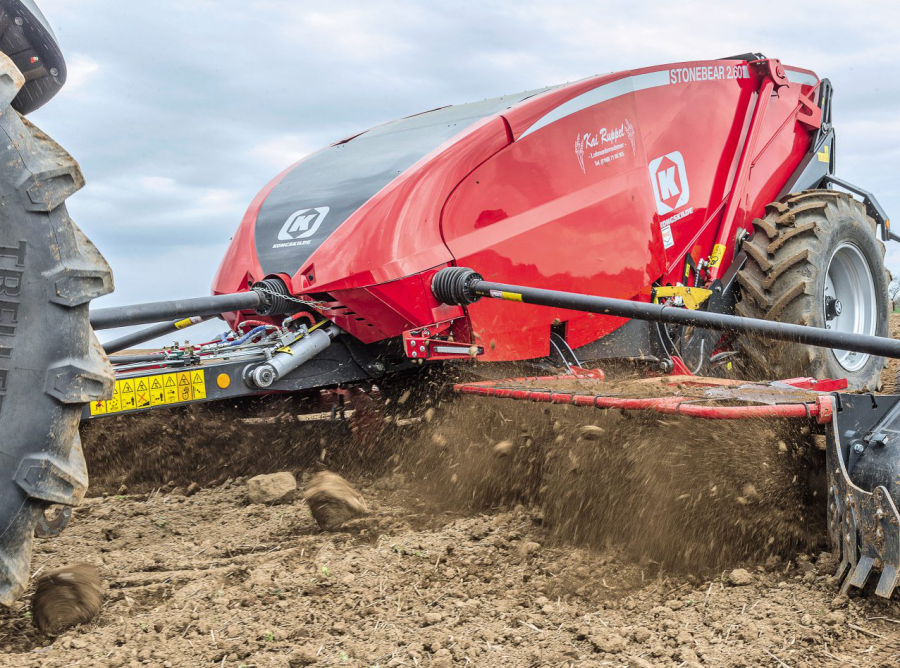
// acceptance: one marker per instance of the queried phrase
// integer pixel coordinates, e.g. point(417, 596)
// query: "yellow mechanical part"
point(715, 258)
point(692, 297)
point(287, 348)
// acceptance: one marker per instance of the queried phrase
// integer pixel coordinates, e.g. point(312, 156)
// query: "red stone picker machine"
point(683, 220)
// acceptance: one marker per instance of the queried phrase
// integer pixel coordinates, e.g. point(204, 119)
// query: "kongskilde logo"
point(670, 184)
point(302, 224)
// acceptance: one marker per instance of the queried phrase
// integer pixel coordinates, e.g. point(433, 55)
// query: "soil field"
point(451, 568)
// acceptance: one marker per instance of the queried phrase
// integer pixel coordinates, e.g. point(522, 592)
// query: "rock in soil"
point(332, 501)
point(272, 488)
point(740, 577)
point(66, 597)
point(527, 548)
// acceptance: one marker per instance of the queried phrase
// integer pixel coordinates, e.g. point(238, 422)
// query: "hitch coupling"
point(291, 355)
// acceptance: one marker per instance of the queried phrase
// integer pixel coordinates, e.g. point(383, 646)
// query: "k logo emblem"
point(303, 223)
point(670, 184)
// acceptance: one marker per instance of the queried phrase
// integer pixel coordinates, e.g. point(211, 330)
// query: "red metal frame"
point(435, 341)
point(773, 78)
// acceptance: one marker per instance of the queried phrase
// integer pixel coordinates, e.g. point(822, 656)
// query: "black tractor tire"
point(784, 279)
point(50, 361)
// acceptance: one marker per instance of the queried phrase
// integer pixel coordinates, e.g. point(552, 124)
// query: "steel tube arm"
point(133, 359)
point(455, 285)
point(141, 314)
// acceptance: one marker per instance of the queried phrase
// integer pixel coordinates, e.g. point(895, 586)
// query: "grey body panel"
point(344, 176)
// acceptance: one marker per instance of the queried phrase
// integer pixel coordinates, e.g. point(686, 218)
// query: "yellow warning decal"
point(126, 392)
point(157, 393)
point(824, 155)
point(170, 389)
point(141, 393)
point(156, 390)
point(198, 385)
point(715, 258)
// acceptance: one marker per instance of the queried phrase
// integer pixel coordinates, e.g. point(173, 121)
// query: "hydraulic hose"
point(249, 335)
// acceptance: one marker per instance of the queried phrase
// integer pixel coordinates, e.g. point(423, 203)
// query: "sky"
point(180, 111)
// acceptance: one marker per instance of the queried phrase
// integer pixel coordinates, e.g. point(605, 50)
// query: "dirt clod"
point(740, 577)
point(270, 489)
point(527, 548)
point(333, 501)
point(839, 601)
point(432, 617)
point(605, 641)
point(590, 432)
point(503, 448)
point(66, 597)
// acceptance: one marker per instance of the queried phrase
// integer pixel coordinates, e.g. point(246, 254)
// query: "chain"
point(290, 298)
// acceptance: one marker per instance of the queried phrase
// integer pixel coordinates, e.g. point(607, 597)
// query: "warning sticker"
point(198, 385)
point(184, 386)
point(715, 258)
point(141, 393)
point(126, 390)
point(157, 394)
point(170, 388)
point(156, 390)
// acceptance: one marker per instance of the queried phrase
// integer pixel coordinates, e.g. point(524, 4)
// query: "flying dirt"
point(590, 372)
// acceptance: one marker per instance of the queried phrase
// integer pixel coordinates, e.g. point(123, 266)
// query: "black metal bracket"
point(862, 459)
point(873, 207)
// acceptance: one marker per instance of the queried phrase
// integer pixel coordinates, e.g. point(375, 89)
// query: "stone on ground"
point(740, 577)
point(272, 488)
point(66, 597)
point(333, 501)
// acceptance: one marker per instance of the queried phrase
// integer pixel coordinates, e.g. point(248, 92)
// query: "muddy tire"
point(814, 260)
point(50, 362)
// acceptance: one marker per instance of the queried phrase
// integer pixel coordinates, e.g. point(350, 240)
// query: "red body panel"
point(602, 187)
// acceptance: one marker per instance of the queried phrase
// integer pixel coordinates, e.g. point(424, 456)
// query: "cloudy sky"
point(179, 111)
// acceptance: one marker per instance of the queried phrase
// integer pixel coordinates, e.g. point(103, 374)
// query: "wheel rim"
point(849, 304)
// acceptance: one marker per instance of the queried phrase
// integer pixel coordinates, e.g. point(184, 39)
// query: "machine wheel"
point(815, 260)
point(50, 362)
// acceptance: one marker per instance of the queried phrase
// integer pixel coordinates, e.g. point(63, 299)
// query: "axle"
point(458, 285)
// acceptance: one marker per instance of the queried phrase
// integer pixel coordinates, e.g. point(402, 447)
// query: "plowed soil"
point(492, 539)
